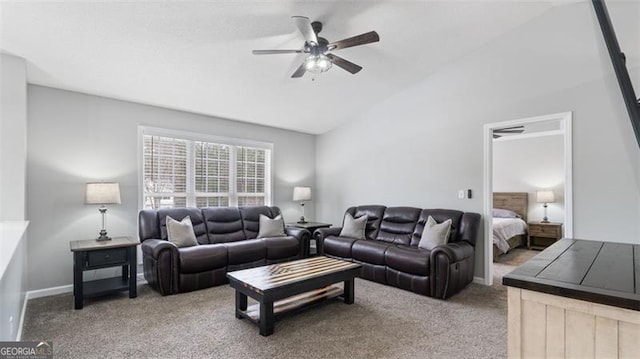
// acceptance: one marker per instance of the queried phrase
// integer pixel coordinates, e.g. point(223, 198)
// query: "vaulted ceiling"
point(196, 56)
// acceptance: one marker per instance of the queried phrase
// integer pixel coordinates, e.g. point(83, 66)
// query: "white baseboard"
point(479, 280)
point(32, 294)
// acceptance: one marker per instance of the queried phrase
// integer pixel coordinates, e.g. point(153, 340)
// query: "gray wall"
point(13, 158)
point(422, 145)
point(76, 138)
point(529, 164)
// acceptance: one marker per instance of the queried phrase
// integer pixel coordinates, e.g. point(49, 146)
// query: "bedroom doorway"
point(520, 195)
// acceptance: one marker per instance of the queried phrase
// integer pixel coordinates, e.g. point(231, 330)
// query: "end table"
point(92, 254)
point(311, 227)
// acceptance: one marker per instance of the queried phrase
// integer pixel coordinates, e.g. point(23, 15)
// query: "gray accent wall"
point(419, 147)
point(76, 138)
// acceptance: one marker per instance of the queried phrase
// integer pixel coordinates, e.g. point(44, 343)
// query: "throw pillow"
point(354, 227)
point(434, 233)
point(181, 233)
point(271, 227)
point(504, 213)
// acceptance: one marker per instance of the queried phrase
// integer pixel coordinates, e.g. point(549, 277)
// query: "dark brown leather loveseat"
point(390, 252)
point(227, 241)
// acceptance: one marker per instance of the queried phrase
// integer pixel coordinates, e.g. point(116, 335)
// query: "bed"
point(509, 232)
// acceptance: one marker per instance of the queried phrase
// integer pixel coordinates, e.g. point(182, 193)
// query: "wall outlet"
point(461, 194)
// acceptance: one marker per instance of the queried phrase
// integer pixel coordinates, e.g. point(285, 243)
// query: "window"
point(186, 170)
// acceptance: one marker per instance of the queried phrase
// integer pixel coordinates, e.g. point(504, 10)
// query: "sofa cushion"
point(338, 246)
point(181, 232)
point(407, 259)
point(397, 224)
point(251, 218)
point(202, 258)
point(369, 251)
point(282, 247)
point(353, 227)
point(374, 216)
point(440, 215)
point(271, 227)
point(434, 234)
point(246, 251)
point(224, 224)
point(195, 214)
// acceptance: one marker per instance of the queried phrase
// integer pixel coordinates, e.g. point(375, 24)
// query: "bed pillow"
point(434, 233)
point(181, 233)
point(271, 227)
point(354, 227)
point(504, 213)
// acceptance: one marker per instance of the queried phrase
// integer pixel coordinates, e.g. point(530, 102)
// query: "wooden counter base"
point(541, 325)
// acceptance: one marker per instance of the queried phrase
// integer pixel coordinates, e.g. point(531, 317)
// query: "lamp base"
point(302, 220)
point(103, 236)
point(545, 220)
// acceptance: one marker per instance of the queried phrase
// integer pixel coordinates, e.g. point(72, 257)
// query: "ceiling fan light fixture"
point(317, 64)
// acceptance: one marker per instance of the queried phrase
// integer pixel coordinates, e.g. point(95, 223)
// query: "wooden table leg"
point(77, 279)
point(241, 304)
point(266, 318)
point(348, 291)
point(133, 273)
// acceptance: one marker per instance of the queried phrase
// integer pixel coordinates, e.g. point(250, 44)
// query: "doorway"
point(556, 124)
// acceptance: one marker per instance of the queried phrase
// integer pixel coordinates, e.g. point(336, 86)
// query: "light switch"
point(461, 194)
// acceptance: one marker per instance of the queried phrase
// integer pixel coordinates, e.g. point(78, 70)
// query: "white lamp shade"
point(102, 193)
point(301, 193)
point(545, 196)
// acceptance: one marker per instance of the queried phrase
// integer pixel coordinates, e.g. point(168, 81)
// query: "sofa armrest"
point(161, 260)
point(451, 268)
point(303, 236)
point(153, 247)
point(321, 233)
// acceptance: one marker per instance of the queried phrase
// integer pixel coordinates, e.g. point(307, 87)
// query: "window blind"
point(183, 172)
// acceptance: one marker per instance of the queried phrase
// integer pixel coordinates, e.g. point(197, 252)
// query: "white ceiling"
point(196, 56)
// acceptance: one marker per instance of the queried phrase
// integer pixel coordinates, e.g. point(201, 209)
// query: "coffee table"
point(286, 287)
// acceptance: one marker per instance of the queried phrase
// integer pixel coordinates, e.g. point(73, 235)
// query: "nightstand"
point(311, 227)
point(541, 235)
point(92, 254)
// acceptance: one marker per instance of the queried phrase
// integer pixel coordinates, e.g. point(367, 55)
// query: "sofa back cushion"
point(439, 215)
point(199, 227)
point(398, 224)
point(251, 218)
point(224, 224)
point(374, 217)
point(148, 225)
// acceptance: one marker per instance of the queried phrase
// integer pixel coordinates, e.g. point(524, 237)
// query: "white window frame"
point(192, 136)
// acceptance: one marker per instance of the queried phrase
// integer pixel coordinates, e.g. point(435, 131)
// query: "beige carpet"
point(384, 322)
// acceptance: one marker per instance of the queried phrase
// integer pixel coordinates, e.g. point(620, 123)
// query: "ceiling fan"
point(497, 133)
point(320, 58)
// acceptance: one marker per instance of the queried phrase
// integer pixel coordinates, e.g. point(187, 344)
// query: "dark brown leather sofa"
point(227, 241)
point(390, 252)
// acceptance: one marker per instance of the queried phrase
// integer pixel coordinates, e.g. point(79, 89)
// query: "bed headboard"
point(514, 201)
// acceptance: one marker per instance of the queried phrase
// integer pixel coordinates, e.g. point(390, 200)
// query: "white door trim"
point(566, 127)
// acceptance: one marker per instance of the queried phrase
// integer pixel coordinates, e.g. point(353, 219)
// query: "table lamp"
point(301, 194)
point(102, 193)
point(545, 196)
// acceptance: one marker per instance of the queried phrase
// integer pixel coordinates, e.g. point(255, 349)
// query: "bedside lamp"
point(102, 193)
point(545, 196)
point(301, 194)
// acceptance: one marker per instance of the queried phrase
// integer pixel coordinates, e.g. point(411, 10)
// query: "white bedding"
point(505, 228)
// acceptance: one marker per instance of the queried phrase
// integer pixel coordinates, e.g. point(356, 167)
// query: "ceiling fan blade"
point(304, 25)
point(344, 64)
point(514, 129)
point(362, 39)
point(271, 52)
point(300, 71)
